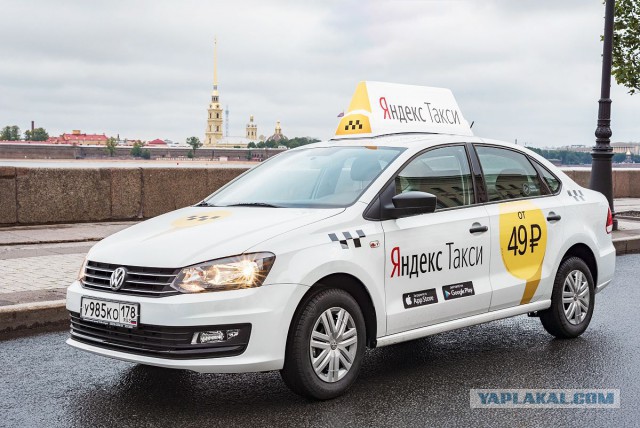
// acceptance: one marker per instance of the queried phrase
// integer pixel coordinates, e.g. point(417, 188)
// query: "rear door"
point(437, 264)
point(527, 222)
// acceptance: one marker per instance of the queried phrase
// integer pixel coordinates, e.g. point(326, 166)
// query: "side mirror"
point(411, 203)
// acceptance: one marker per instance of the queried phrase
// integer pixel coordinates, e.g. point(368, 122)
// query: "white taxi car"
point(402, 226)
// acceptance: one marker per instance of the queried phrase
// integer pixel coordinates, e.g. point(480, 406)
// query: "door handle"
point(553, 216)
point(477, 227)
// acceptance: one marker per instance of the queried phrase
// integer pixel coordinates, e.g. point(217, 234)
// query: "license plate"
point(112, 313)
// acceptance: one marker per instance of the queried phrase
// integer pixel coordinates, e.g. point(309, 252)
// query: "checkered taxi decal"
point(346, 237)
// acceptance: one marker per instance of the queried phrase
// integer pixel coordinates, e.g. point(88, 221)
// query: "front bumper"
point(267, 309)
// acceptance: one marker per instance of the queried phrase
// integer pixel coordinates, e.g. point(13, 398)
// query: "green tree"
point(251, 145)
point(249, 155)
point(38, 134)
point(10, 133)
point(292, 143)
point(136, 150)
point(626, 44)
point(566, 157)
point(146, 154)
point(110, 146)
point(195, 144)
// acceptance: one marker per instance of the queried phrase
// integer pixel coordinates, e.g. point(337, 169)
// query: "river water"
point(106, 163)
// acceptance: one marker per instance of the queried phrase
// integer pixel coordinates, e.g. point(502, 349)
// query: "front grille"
point(157, 341)
point(141, 281)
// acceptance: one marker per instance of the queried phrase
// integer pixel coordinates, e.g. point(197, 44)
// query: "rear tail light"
point(609, 221)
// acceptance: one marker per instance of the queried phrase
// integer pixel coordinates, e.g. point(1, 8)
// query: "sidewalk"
point(627, 237)
point(37, 263)
point(58, 233)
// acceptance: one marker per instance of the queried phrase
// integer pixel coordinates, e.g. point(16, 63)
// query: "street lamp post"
point(601, 174)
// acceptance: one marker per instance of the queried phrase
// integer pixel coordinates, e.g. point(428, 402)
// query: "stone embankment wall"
point(69, 195)
point(626, 182)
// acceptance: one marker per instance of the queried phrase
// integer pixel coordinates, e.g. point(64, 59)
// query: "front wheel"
point(326, 346)
point(572, 300)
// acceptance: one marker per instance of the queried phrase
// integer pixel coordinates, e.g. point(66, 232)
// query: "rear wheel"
point(325, 347)
point(572, 300)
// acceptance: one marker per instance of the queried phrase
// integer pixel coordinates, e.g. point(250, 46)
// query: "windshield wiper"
point(253, 204)
point(203, 204)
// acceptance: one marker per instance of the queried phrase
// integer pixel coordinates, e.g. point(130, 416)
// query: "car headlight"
point(80, 276)
point(230, 273)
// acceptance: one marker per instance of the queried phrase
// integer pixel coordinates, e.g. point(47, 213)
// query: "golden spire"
point(215, 63)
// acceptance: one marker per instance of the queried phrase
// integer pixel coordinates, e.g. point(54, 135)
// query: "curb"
point(627, 245)
point(27, 316)
point(52, 241)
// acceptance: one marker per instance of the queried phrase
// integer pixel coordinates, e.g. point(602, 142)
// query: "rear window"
point(508, 174)
point(551, 180)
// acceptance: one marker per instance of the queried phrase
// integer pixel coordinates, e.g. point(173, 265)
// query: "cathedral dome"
point(277, 135)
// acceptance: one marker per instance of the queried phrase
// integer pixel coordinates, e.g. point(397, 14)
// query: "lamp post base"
point(601, 178)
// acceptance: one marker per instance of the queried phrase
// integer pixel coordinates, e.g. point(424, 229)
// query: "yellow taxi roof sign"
point(379, 108)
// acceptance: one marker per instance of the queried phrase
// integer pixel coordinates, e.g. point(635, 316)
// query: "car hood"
point(196, 234)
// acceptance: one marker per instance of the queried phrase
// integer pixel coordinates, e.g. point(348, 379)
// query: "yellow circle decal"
point(200, 218)
point(523, 243)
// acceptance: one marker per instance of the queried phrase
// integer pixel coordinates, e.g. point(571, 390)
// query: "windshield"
point(313, 177)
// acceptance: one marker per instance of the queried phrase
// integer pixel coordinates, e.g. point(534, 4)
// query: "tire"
point(558, 319)
point(298, 372)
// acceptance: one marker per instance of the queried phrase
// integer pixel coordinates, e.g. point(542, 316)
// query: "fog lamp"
point(215, 336)
point(211, 336)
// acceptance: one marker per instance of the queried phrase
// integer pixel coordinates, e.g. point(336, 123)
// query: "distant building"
point(229, 142)
point(252, 130)
point(632, 148)
point(619, 147)
point(213, 134)
point(78, 138)
point(157, 143)
point(277, 135)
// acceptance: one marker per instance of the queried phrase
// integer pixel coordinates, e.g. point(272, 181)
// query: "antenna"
point(471, 126)
point(226, 122)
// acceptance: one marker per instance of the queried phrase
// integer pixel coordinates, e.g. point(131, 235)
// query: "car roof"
point(415, 141)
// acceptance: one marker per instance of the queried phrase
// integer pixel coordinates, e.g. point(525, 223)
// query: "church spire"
point(215, 63)
point(213, 133)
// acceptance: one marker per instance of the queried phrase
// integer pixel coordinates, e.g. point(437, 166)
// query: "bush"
point(136, 150)
point(146, 154)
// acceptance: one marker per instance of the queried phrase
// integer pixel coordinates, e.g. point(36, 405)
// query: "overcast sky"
point(526, 70)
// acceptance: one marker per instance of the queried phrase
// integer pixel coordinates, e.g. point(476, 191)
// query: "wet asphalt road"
point(45, 383)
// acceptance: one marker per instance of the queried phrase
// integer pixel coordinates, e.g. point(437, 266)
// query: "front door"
point(437, 264)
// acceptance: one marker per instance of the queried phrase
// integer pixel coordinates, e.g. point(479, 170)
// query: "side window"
point(508, 174)
point(443, 172)
point(549, 178)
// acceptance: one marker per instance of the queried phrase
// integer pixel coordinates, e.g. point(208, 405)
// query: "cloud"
point(528, 70)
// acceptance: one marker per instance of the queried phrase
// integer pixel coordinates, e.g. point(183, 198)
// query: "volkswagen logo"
point(117, 278)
